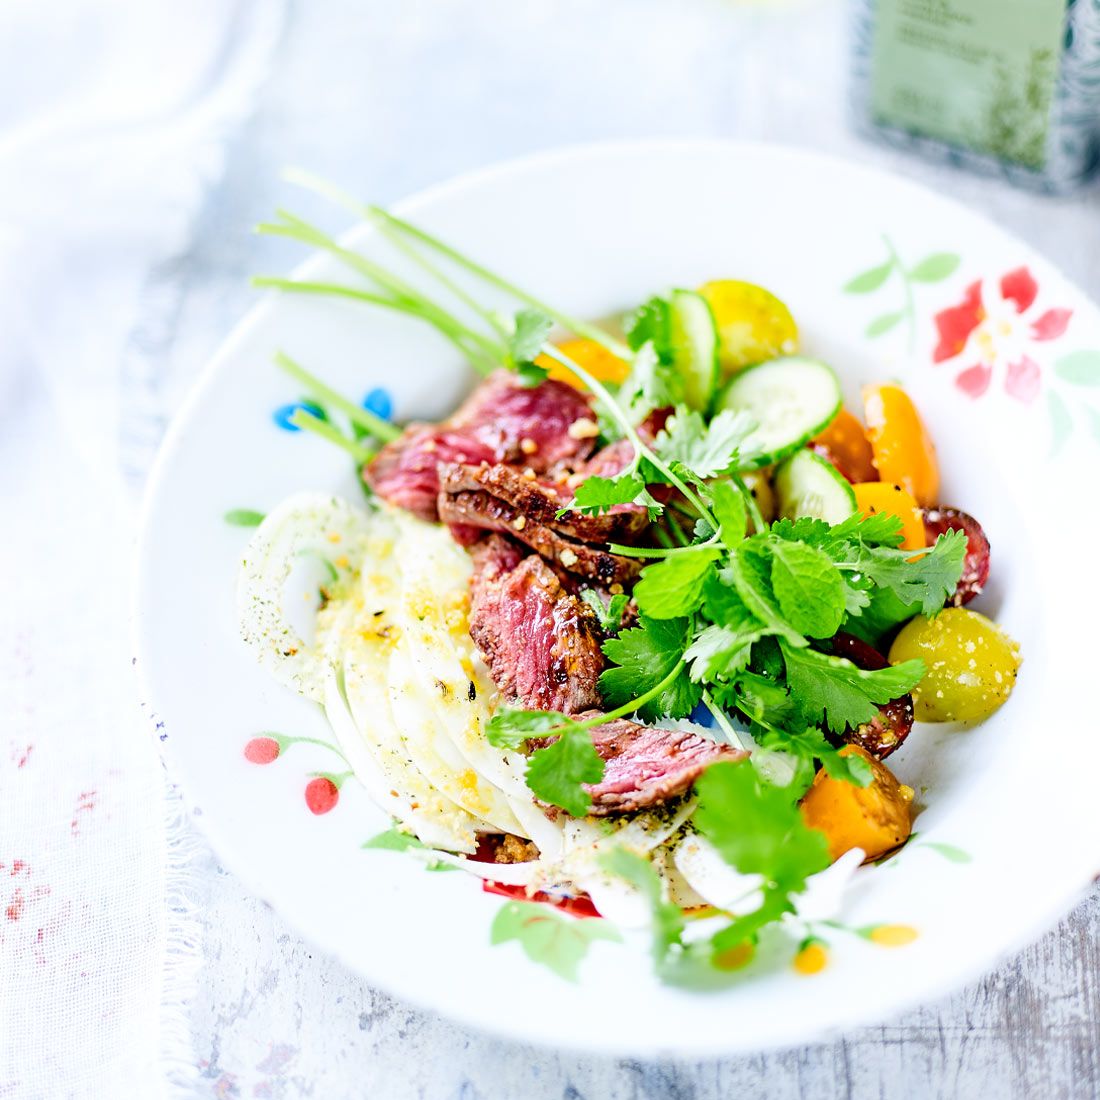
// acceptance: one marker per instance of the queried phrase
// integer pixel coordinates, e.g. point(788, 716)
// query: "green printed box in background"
point(1005, 86)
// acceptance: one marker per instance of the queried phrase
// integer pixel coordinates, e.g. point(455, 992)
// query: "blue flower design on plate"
point(283, 413)
point(379, 402)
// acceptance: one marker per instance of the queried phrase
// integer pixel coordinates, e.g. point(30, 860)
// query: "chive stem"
point(368, 421)
point(300, 418)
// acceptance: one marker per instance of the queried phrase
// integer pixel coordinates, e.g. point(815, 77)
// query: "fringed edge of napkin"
point(183, 957)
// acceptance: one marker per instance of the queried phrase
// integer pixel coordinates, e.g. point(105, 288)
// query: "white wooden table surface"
point(387, 97)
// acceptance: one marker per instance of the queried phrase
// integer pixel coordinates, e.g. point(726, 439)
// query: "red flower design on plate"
point(994, 325)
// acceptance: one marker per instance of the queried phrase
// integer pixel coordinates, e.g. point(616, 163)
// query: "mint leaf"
point(808, 588)
point(549, 938)
point(530, 331)
point(750, 572)
point(728, 506)
point(758, 828)
point(836, 691)
point(645, 655)
point(668, 919)
point(674, 586)
point(556, 773)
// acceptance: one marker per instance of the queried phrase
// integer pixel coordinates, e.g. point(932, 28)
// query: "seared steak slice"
point(406, 471)
point(540, 501)
point(481, 509)
point(501, 421)
point(644, 766)
point(535, 426)
point(541, 643)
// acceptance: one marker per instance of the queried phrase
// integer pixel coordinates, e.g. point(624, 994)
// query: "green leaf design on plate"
point(869, 280)
point(1061, 423)
point(243, 517)
point(549, 938)
point(392, 840)
point(948, 851)
point(884, 323)
point(934, 268)
point(1081, 368)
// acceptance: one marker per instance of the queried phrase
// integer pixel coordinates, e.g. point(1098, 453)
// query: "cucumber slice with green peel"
point(694, 339)
point(790, 399)
point(808, 485)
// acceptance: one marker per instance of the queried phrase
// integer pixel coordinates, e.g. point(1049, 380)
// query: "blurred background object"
point(140, 140)
point(1007, 87)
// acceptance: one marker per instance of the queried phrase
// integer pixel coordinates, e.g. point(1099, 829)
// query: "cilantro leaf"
point(644, 656)
point(929, 580)
point(668, 919)
point(651, 384)
point(811, 744)
point(511, 727)
point(705, 450)
point(529, 333)
point(720, 651)
point(549, 938)
point(599, 494)
point(758, 828)
point(729, 509)
point(611, 614)
point(531, 375)
point(556, 773)
point(674, 586)
point(876, 528)
point(651, 323)
point(834, 689)
point(808, 588)
point(775, 904)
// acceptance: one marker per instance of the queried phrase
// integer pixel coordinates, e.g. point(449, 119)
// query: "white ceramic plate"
point(1007, 833)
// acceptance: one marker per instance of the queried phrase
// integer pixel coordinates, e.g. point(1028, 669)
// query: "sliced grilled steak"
point(644, 766)
point(541, 643)
point(406, 471)
point(540, 501)
point(501, 421)
point(482, 509)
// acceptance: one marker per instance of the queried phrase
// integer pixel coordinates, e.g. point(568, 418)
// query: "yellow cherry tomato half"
point(594, 357)
point(971, 665)
point(876, 496)
point(844, 443)
point(753, 324)
point(902, 448)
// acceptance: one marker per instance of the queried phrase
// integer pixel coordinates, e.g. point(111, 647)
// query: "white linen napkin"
point(114, 118)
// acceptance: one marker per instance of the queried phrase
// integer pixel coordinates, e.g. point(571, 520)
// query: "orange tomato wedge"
point(595, 359)
point(879, 496)
point(844, 443)
point(902, 449)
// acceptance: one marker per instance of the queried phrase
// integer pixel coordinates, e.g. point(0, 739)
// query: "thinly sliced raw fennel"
point(315, 524)
point(448, 668)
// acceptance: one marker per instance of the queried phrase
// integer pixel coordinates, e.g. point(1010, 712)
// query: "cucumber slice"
point(808, 485)
point(790, 399)
point(694, 338)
